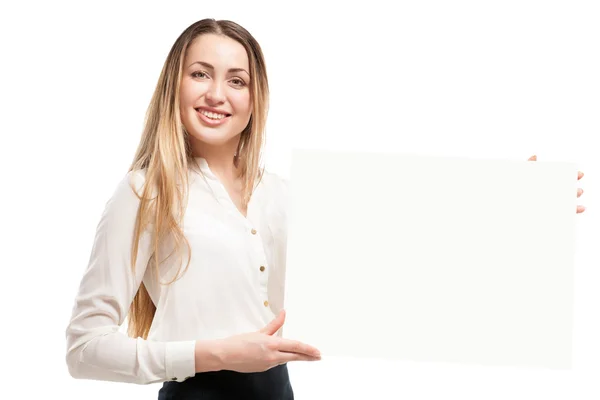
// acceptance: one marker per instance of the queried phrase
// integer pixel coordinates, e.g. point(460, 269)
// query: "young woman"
point(191, 245)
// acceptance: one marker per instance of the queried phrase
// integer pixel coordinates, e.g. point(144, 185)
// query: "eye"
point(199, 74)
point(238, 82)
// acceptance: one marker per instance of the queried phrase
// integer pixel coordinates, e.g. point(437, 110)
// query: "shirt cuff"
point(180, 360)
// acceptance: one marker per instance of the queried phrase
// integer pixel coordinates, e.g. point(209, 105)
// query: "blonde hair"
point(164, 151)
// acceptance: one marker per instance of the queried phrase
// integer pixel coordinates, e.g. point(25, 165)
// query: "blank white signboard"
point(430, 258)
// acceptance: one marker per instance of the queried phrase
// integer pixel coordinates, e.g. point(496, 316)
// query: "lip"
point(212, 122)
point(215, 110)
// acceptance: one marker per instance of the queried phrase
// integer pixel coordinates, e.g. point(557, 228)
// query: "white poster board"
point(429, 258)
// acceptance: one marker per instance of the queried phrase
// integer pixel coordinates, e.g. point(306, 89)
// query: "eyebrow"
point(207, 65)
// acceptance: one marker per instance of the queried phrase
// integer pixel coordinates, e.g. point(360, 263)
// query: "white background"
point(490, 79)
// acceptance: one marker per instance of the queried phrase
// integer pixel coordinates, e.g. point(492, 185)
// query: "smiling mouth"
point(212, 115)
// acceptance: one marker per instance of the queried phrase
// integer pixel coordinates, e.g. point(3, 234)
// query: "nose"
point(215, 93)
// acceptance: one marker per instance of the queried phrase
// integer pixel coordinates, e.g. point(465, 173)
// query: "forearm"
point(209, 356)
point(116, 357)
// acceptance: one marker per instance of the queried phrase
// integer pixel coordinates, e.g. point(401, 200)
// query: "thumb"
point(275, 324)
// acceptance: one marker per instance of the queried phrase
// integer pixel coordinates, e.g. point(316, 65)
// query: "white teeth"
point(212, 115)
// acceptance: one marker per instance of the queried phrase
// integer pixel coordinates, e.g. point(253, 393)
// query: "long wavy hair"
point(165, 152)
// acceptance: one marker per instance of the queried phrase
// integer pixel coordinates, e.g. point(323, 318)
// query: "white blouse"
point(234, 283)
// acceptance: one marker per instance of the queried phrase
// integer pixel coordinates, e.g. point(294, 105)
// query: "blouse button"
point(266, 303)
point(253, 231)
point(262, 268)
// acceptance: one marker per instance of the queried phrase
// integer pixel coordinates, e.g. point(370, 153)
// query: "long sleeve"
point(96, 349)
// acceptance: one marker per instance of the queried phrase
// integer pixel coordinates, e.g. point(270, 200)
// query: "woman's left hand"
point(580, 209)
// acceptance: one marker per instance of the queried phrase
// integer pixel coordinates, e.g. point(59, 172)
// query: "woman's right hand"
point(255, 351)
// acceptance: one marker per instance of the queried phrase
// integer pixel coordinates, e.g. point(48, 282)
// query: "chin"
point(212, 137)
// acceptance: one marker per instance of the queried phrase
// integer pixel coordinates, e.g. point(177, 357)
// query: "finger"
point(289, 357)
point(579, 192)
point(275, 324)
point(579, 175)
point(532, 158)
point(580, 209)
point(294, 346)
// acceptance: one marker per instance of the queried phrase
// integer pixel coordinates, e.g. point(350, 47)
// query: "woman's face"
point(215, 100)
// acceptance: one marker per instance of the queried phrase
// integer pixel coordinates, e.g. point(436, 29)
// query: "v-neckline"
point(231, 206)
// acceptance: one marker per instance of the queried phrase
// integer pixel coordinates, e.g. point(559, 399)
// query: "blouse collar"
point(204, 168)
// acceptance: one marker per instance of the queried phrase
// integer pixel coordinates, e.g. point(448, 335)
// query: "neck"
point(220, 160)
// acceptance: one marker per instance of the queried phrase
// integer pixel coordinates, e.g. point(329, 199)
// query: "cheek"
point(189, 92)
point(241, 102)
point(185, 96)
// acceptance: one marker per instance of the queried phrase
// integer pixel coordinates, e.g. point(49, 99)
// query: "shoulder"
point(276, 185)
point(136, 178)
point(129, 187)
point(274, 201)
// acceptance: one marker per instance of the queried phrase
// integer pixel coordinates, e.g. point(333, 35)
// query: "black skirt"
point(273, 384)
